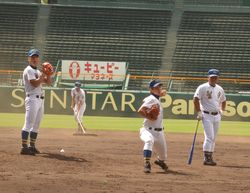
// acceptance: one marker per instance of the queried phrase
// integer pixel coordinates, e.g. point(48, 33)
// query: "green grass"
point(122, 124)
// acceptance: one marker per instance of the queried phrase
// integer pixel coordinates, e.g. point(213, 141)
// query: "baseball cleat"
point(26, 151)
point(209, 163)
point(147, 167)
point(208, 159)
point(34, 150)
point(162, 164)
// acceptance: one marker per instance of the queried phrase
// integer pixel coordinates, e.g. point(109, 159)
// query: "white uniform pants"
point(34, 112)
point(156, 139)
point(211, 125)
point(79, 115)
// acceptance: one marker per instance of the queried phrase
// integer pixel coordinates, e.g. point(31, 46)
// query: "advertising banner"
point(121, 103)
point(93, 70)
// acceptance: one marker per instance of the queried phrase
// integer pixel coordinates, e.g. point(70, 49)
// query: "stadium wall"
point(120, 103)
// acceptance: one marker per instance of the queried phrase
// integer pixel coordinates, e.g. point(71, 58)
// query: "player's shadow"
point(91, 134)
point(62, 157)
point(86, 134)
point(233, 166)
point(173, 173)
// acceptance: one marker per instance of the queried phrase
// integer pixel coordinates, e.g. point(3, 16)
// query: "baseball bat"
point(190, 157)
point(80, 123)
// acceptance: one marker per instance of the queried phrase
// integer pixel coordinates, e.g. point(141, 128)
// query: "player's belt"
point(211, 113)
point(156, 129)
point(37, 96)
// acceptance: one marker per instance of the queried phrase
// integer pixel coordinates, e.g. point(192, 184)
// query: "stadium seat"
point(17, 24)
point(135, 36)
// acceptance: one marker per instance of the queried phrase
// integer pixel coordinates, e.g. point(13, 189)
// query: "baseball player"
point(210, 102)
point(152, 133)
point(34, 102)
point(78, 104)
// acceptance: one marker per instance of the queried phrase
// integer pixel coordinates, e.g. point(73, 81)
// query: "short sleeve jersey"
point(210, 97)
point(79, 96)
point(30, 73)
point(148, 102)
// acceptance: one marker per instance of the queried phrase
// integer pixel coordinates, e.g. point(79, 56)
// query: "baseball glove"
point(47, 68)
point(153, 112)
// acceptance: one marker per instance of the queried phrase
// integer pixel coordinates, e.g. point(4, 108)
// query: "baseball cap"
point(213, 72)
point(78, 84)
point(154, 83)
point(33, 52)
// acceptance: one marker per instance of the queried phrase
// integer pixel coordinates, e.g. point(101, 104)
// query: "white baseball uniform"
point(210, 99)
point(152, 133)
point(79, 97)
point(34, 103)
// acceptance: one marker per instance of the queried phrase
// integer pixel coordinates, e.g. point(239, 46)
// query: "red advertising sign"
point(74, 70)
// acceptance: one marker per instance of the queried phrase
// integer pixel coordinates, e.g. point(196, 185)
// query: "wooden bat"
point(80, 123)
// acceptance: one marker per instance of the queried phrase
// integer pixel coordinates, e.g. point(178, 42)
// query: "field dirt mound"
point(112, 162)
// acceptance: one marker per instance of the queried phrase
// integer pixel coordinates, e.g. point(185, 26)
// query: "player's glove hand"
point(47, 68)
point(199, 115)
point(153, 112)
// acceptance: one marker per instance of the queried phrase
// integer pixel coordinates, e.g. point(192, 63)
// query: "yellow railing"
point(10, 77)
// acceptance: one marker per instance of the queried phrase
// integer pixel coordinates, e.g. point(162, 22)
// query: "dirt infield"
point(111, 162)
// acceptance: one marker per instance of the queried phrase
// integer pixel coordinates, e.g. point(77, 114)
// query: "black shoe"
point(162, 164)
point(209, 163)
point(208, 159)
point(34, 150)
point(147, 167)
point(26, 151)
